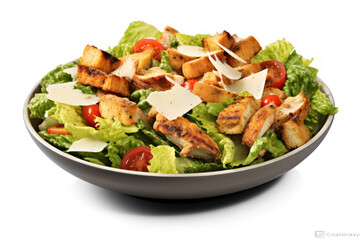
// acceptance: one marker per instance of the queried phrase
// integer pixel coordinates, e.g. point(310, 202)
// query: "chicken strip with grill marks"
point(186, 135)
point(233, 119)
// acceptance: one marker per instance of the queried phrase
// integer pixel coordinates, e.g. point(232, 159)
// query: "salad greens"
point(166, 156)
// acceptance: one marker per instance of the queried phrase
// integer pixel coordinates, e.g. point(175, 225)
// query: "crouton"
point(96, 78)
point(177, 59)
point(127, 112)
point(294, 133)
point(248, 69)
point(246, 49)
point(233, 119)
point(211, 78)
point(143, 59)
point(271, 90)
point(99, 59)
point(167, 35)
point(259, 123)
point(187, 135)
point(291, 107)
point(198, 67)
point(210, 93)
point(223, 38)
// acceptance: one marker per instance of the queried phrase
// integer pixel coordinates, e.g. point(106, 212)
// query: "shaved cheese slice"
point(87, 144)
point(254, 84)
point(72, 71)
point(126, 69)
point(224, 68)
point(173, 103)
point(192, 51)
point(231, 53)
point(65, 93)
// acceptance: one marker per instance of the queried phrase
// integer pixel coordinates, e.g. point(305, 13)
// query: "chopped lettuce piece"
point(85, 89)
point(165, 64)
point(278, 50)
point(139, 97)
point(300, 78)
point(63, 142)
point(320, 106)
point(56, 76)
point(174, 43)
point(136, 31)
point(196, 40)
point(39, 104)
point(203, 119)
point(117, 150)
point(93, 157)
point(269, 142)
point(226, 146)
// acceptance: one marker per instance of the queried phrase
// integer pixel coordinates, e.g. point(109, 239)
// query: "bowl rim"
point(35, 135)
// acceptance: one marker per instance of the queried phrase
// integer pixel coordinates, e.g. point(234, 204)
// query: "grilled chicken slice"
point(233, 119)
point(126, 111)
point(271, 90)
point(294, 133)
point(210, 93)
point(177, 59)
point(192, 141)
point(291, 107)
point(259, 124)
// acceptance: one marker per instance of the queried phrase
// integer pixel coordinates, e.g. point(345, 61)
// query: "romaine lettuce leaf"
point(39, 104)
point(85, 89)
point(226, 146)
point(136, 31)
point(165, 64)
point(93, 157)
point(278, 50)
point(196, 40)
point(63, 142)
point(56, 76)
point(202, 118)
point(139, 97)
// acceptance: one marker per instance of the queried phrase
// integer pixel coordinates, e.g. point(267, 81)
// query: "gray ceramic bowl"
point(180, 186)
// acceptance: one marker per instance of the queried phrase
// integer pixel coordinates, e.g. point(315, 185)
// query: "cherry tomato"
point(58, 129)
point(276, 75)
point(271, 98)
point(149, 43)
point(189, 84)
point(89, 113)
point(137, 159)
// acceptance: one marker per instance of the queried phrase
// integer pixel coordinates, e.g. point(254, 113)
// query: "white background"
point(41, 201)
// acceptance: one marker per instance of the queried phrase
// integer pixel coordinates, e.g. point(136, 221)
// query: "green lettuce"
point(139, 97)
point(300, 77)
point(202, 118)
point(94, 157)
point(56, 76)
point(196, 40)
point(226, 146)
point(165, 64)
point(320, 107)
point(136, 31)
point(39, 104)
point(63, 142)
point(174, 43)
point(269, 142)
point(278, 50)
point(85, 89)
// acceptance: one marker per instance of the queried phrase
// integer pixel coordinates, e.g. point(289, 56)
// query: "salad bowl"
point(177, 186)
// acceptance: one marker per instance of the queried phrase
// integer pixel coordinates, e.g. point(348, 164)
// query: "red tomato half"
point(276, 75)
point(89, 113)
point(271, 98)
point(149, 43)
point(137, 159)
point(58, 129)
point(189, 84)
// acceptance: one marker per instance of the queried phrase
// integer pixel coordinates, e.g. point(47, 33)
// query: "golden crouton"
point(294, 133)
point(223, 38)
point(96, 78)
point(233, 119)
point(143, 59)
point(211, 78)
point(271, 90)
point(97, 58)
point(210, 93)
point(248, 69)
point(198, 67)
point(177, 59)
point(246, 49)
point(167, 35)
point(127, 112)
point(259, 123)
point(291, 107)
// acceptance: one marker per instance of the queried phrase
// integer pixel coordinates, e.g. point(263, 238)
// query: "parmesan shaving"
point(192, 51)
point(231, 53)
point(224, 68)
point(87, 144)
